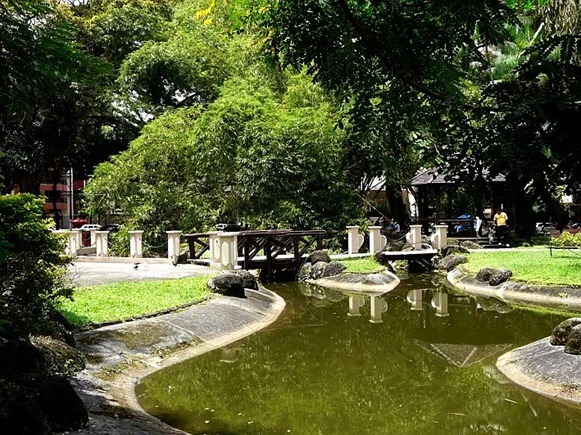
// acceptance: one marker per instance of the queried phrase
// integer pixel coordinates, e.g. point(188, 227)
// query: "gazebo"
point(442, 199)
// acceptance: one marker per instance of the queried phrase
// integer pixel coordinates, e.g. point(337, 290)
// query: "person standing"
point(500, 221)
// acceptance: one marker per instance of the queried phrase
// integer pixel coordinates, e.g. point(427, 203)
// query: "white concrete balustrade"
point(101, 243)
point(173, 245)
point(354, 239)
point(440, 237)
point(215, 250)
point(376, 241)
point(136, 244)
point(414, 236)
point(228, 246)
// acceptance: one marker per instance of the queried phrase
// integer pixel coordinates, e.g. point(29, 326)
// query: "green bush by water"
point(127, 300)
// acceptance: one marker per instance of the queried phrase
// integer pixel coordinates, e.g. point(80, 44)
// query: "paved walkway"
point(120, 355)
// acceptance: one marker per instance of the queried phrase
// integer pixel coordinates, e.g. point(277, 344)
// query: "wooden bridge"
point(268, 250)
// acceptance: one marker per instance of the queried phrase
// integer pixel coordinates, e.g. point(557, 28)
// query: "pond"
point(420, 359)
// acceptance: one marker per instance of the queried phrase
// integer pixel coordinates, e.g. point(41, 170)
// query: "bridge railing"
point(198, 244)
point(277, 246)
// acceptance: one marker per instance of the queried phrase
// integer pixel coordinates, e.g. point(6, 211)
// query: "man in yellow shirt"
point(500, 220)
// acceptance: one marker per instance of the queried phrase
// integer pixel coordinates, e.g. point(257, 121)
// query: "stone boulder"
point(453, 250)
point(247, 278)
point(227, 283)
point(484, 274)
point(499, 276)
point(318, 256)
point(450, 262)
point(469, 244)
point(319, 270)
point(562, 331)
point(573, 343)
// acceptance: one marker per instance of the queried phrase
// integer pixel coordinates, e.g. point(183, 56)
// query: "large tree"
point(47, 95)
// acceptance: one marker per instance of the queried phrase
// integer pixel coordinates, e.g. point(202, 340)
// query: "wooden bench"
point(555, 234)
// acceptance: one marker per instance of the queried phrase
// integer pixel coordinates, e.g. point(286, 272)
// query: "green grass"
point(362, 265)
point(532, 265)
point(127, 300)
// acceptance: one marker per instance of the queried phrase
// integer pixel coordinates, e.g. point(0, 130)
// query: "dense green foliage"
point(568, 239)
point(31, 266)
point(128, 300)
point(231, 130)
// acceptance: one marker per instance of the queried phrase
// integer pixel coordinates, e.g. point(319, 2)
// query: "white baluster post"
point(415, 236)
point(215, 250)
point(376, 241)
point(354, 239)
point(228, 250)
point(78, 240)
point(173, 245)
point(136, 244)
point(101, 243)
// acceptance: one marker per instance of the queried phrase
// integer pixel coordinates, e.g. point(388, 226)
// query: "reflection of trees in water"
point(346, 375)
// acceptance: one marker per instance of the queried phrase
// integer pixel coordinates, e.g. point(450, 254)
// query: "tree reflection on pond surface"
point(420, 359)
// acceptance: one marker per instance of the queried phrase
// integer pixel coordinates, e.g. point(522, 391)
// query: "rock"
point(453, 250)
point(318, 256)
point(333, 268)
point(469, 244)
point(305, 272)
point(573, 343)
point(562, 331)
point(484, 274)
point(227, 283)
point(317, 270)
point(499, 276)
point(248, 279)
point(450, 262)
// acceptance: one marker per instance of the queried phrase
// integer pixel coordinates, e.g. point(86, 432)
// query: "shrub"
point(31, 266)
point(568, 239)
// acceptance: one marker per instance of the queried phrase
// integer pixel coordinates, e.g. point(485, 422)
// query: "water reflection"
point(326, 368)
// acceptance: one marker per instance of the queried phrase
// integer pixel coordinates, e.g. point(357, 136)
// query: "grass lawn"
point(127, 300)
point(362, 265)
point(532, 265)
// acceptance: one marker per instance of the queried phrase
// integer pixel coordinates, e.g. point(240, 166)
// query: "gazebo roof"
point(438, 176)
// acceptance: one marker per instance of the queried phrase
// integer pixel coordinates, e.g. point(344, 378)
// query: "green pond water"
point(419, 360)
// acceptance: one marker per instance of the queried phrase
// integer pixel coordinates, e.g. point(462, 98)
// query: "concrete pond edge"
point(108, 386)
point(539, 366)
